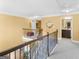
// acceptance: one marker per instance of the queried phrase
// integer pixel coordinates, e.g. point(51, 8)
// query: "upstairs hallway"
point(66, 49)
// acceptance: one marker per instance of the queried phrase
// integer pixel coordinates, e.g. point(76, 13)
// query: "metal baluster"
point(56, 36)
point(34, 50)
point(37, 49)
point(27, 52)
point(48, 43)
point(9, 55)
point(42, 46)
point(30, 51)
point(23, 52)
point(20, 53)
point(15, 54)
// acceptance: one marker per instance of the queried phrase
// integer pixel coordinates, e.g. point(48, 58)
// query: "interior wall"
point(11, 30)
point(55, 20)
point(57, 24)
point(76, 27)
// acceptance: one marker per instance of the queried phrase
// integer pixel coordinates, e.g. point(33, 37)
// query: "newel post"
point(48, 43)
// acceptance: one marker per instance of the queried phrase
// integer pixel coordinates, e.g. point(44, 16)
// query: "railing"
point(39, 48)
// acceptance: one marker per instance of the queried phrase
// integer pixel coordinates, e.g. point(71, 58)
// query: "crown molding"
point(24, 16)
point(12, 14)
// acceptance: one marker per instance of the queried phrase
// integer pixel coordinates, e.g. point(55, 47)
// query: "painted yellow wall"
point(11, 30)
point(76, 27)
point(55, 20)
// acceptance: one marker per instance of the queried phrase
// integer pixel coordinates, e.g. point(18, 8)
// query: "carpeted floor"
point(65, 50)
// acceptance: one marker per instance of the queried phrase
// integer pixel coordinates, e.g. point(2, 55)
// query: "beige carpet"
point(65, 50)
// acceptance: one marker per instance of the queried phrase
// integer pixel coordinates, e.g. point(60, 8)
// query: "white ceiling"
point(38, 7)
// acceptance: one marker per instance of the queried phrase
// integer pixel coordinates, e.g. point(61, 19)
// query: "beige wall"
point(11, 30)
point(76, 27)
point(55, 20)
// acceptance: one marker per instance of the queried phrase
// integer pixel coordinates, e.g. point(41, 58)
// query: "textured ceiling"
point(37, 7)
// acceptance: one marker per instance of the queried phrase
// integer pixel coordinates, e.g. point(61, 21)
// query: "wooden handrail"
point(22, 45)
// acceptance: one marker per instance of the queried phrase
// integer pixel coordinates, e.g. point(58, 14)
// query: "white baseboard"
point(74, 41)
point(53, 50)
point(59, 38)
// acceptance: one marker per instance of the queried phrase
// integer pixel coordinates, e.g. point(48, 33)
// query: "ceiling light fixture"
point(36, 17)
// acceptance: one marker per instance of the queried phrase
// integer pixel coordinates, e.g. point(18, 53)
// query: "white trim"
point(60, 28)
point(72, 29)
point(59, 38)
point(74, 41)
point(26, 16)
point(11, 14)
point(75, 12)
point(53, 49)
